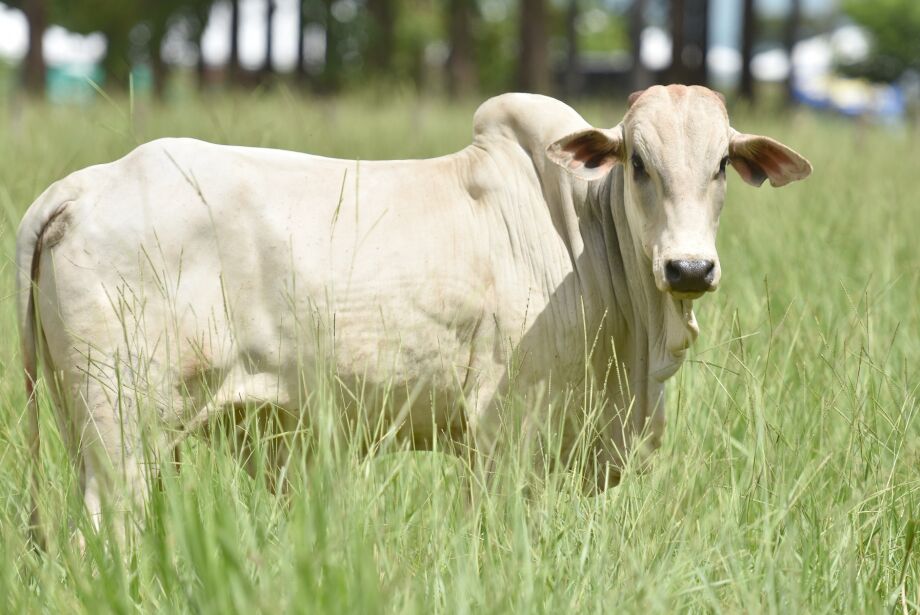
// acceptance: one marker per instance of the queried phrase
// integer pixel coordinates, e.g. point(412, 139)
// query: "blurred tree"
point(696, 42)
point(268, 67)
point(152, 21)
point(115, 20)
point(641, 78)
point(533, 61)
point(301, 68)
point(196, 14)
point(233, 63)
point(677, 73)
point(382, 35)
point(894, 26)
point(331, 76)
point(461, 64)
point(690, 41)
point(748, 33)
point(418, 43)
point(134, 32)
point(497, 50)
point(158, 14)
point(572, 83)
point(790, 38)
point(33, 65)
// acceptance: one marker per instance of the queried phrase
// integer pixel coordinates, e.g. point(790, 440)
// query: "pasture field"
point(787, 482)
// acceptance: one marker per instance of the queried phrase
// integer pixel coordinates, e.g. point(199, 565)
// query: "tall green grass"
point(787, 482)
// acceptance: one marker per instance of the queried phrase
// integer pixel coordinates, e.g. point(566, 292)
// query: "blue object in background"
point(70, 83)
point(73, 83)
point(884, 102)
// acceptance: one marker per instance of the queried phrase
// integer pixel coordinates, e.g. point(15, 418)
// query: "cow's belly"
point(401, 343)
point(388, 362)
point(396, 348)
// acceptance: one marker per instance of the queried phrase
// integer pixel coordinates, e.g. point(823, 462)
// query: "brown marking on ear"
point(749, 172)
point(588, 154)
point(589, 149)
point(759, 158)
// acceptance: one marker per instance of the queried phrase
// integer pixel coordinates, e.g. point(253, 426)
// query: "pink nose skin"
point(690, 276)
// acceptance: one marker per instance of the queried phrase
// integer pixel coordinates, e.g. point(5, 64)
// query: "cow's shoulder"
point(531, 120)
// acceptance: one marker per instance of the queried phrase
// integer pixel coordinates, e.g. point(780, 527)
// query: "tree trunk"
point(461, 65)
point(382, 33)
point(201, 68)
point(301, 22)
point(641, 78)
point(160, 74)
point(158, 68)
point(677, 73)
point(332, 60)
point(748, 32)
point(533, 64)
point(696, 42)
point(269, 66)
point(233, 64)
point(573, 78)
point(34, 63)
point(116, 63)
point(793, 22)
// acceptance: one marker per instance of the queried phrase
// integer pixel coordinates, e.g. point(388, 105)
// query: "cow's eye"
point(638, 165)
point(722, 164)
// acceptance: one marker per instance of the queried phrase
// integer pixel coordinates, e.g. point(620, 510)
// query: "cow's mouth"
point(687, 296)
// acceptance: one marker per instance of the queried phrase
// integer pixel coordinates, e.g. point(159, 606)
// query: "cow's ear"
point(759, 158)
point(588, 154)
point(633, 98)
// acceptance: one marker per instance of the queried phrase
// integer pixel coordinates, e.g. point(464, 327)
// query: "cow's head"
point(676, 143)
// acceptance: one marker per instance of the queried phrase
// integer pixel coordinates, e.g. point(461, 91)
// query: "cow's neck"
point(655, 329)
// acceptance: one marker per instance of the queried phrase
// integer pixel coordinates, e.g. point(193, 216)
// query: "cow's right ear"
point(588, 154)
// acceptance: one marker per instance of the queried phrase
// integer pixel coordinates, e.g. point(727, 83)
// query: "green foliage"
point(420, 23)
point(895, 29)
point(787, 480)
point(497, 47)
point(599, 28)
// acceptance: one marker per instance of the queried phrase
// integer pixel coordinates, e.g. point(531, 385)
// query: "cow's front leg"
point(484, 426)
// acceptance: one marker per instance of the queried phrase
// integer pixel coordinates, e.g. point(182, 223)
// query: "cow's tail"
point(29, 240)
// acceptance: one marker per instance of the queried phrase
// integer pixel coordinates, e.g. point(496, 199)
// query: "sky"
point(62, 46)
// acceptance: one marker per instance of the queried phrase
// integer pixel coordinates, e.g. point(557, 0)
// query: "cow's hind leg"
point(118, 452)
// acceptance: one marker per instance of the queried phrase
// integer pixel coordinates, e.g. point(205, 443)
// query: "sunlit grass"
point(788, 476)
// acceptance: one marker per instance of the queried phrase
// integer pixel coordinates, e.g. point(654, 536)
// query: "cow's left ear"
point(588, 154)
point(759, 158)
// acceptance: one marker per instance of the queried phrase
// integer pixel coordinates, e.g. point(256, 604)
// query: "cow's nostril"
point(690, 276)
point(710, 268)
point(672, 272)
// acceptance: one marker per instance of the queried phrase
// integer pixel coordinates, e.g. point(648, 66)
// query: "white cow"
point(186, 278)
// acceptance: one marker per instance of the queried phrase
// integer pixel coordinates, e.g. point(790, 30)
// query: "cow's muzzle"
point(690, 278)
